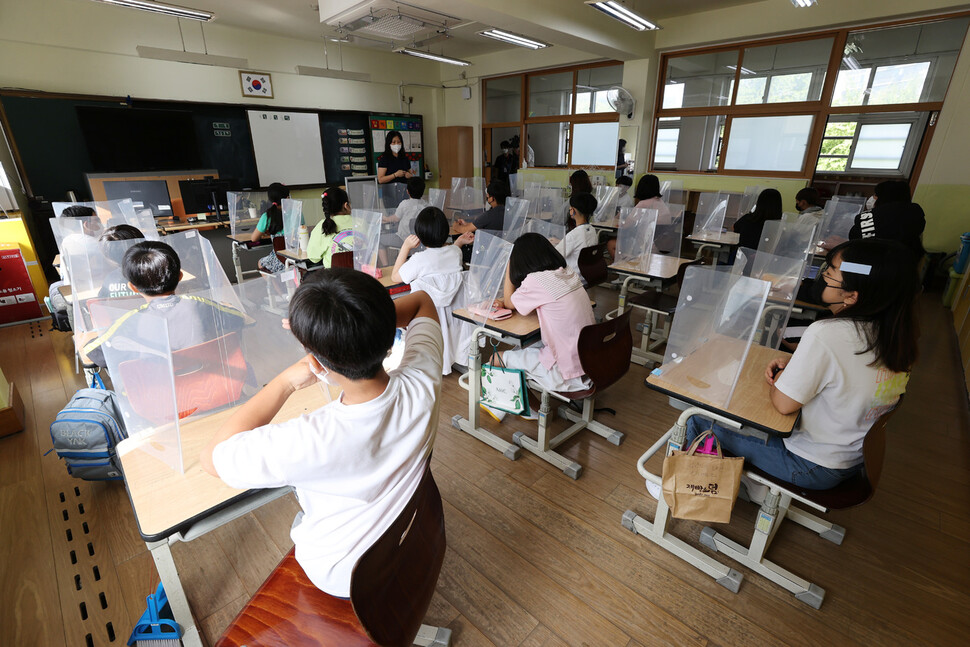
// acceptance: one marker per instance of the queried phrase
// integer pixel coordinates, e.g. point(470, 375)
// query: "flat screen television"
point(123, 140)
point(144, 194)
point(202, 196)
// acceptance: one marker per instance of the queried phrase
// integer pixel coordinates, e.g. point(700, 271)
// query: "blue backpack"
point(86, 431)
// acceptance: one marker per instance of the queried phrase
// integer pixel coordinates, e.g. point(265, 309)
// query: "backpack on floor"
point(86, 431)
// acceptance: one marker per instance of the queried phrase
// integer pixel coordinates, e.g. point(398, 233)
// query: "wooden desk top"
point(661, 267)
point(292, 254)
point(242, 237)
point(750, 404)
point(724, 238)
point(517, 326)
point(165, 501)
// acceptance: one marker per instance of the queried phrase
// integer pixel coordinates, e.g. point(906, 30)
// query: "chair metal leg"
point(169, 576)
point(543, 447)
point(429, 636)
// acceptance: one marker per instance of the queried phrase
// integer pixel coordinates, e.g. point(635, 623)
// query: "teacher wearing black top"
point(393, 164)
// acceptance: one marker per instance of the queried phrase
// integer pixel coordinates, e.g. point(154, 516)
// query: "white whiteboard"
point(288, 147)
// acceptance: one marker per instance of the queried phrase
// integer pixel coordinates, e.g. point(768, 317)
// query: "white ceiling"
point(301, 19)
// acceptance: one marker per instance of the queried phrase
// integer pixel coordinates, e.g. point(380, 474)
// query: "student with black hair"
point(357, 461)
point(438, 271)
point(582, 234)
point(85, 239)
point(892, 215)
point(846, 372)
point(496, 193)
point(115, 284)
point(334, 233)
point(579, 182)
point(270, 225)
point(625, 199)
point(504, 165)
point(537, 279)
point(153, 270)
point(647, 196)
point(409, 208)
point(807, 200)
point(393, 164)
point(750, 225)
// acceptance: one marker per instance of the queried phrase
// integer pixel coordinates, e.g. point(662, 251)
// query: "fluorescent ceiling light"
point(166, 9)
point(327, 73)
point(804, 4)
point(514, 39)
point(619, 12)
point(420, 53)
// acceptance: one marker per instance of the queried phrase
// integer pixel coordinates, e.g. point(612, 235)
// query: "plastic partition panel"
point(246, 205)
point(516, 185)
point(711, 211)
point(513, 224)
point(840, 213)
point(110, 212)
point(267, 346)
point(750, 199)
point(467, 193)
point(672, 192)
point(139, 358)
point(99, 287)
point(606, 197)
point(790, 239)
point(437, 197)
point(292, 219)
point(713, 328)
point(553, 232)
point(201, 269)
point(634, 237)
point(733, 211)
point(486, 274)
point(392, 194)
point(367, 239)
point(669, 235)
point(553, 205)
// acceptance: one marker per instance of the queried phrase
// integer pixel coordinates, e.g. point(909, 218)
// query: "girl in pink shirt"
point(537, 279)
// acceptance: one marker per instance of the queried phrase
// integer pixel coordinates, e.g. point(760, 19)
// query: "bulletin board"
point(411, 129)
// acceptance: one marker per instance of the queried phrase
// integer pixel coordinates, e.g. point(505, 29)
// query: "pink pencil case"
point(495, 314)
point(373, 271)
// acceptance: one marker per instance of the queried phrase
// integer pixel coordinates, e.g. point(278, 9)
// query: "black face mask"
point(818, 288)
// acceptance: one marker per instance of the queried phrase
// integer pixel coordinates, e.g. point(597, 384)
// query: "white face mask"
point(395, 148)
point(870, 203)
point(322, 376)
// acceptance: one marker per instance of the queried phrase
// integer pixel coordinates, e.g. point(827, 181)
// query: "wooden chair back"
point(592, 264)
point(874, 448)
point(604, 350)
point(392, 583)
point(342, 259)
point(206, 376)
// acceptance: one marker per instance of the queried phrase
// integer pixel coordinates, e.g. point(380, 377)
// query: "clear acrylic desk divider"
point(750, 199)
point(709, 219)
point(634, 237)
point(362, 192)
point(367, 240)
point(551, 231)
point(516, 214)
point(486, 274)
point(840, 213)
point(553, 204)
point(243, 206)
point(140, 361)
point(392, 194)
point(467, 193)
point(292, 219)
point(606, 197)
point(201, 269)
point(733, 211)
point(269, 292)
point(712, 331)
point(533, 195)
point(670, 234)
point(110, 212)
point(790, 216)
point(99, 288)
point(784, 273)
point(788, 238)
point(671, 191)
point(437, 198)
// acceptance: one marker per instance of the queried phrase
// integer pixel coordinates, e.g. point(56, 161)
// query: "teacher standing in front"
point(393, 164)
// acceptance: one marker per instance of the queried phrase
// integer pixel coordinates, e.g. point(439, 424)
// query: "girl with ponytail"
point(270, 226)
point(326, 235)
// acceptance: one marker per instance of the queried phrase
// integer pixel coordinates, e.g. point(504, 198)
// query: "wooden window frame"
point(820, 109)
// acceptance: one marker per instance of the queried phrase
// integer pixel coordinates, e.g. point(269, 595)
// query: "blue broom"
point(157, 626)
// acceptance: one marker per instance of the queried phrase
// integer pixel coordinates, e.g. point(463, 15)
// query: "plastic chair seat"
point(851, 492)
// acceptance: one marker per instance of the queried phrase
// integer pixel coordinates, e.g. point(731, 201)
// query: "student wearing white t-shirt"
point(846, 372)
point(355, 463)
point(583, 234)
point(438, 271)
point(625, 198)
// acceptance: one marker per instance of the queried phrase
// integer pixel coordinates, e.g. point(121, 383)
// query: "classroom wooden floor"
point(534, 559)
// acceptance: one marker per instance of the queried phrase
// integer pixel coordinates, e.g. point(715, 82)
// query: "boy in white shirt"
point(437, 271)
point(409, 209)
point(625, 200)
point(356, 462)
point(583, 234)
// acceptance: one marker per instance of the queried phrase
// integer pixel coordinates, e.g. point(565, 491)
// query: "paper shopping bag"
point(701, 487)
point(505, 389)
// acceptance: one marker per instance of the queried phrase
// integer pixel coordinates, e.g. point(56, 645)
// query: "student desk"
point(244, 240)
point(721, 243)
point(171, 507)
point(750, 406)
point(517, 330)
